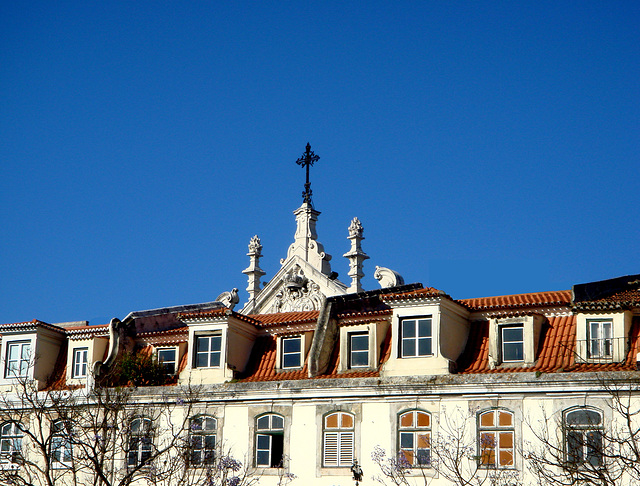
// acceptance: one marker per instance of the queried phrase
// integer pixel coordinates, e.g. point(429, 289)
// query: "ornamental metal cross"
point(308, 158)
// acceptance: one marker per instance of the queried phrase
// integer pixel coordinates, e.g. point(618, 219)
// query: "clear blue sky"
point(487, 147)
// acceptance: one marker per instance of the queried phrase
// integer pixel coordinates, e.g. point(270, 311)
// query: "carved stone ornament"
point(387, 277)
point(254, 246)
point(355, 228)
point(297, 294)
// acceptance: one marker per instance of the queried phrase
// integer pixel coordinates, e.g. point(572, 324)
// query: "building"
point(312, 374)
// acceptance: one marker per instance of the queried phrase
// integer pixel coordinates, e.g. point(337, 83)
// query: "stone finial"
point(387, 277)
point(356, 256)
point(253, 271)
point(356, 229)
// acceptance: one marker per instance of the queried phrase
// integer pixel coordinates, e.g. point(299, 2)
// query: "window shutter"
point(346, 449)
point(331, 448)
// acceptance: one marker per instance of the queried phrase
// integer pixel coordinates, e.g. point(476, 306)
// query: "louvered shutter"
point(331, 449)
point(346, 449)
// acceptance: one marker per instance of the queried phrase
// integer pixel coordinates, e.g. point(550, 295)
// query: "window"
point(416, 337)
point(600, 343)
point(140, 439)
point(292, 352)
point(208, 351)
point(415, 438)
point(167, 358)
point(18, 359)
point(202, 439)
point(61, 446)
point(583, 437)
point(80, 362)
point(338, 439)
point(496, 439)
point(269, 440)
point(358, 349)
point(512, 343)
point(10, 444)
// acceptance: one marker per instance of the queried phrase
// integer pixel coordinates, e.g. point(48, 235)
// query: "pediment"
point(298, 286)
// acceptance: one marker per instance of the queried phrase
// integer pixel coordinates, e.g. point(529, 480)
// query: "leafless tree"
point(588, 444)
point(107, 436)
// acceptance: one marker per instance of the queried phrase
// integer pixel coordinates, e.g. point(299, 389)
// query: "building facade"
point(313, 374)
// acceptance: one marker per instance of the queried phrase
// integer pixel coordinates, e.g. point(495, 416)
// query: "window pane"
point(583, 417)
point(216, 343)
point(424, 457)
point(291, 345)
point(574, 447)
point(424, 328)
point(332, 421)
point(408, 329)
point(408, 347)
point(505, 419)
point(506, 458)
point(347, 421)
point(406, 419)
point(486, 419)
point(423, 419)
point(506, 440)
point(406, 440)
point(203, 344)
point(291, 361)
point(424, 347)
point(511, 334)
point(277, 422)
point(263, 441)
point(360, 342)
point(513, 351)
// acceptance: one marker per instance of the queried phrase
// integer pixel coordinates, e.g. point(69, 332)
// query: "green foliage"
point(137, 369)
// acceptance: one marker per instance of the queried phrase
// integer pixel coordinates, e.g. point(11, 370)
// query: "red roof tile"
point(414, 294)
point(556, 351)
point(286, 318)
point(536, 299)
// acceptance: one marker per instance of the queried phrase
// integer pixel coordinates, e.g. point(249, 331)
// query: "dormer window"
point(80, 362)
point(208, 351)
point(416, 337)
point(18, 359)
point(167, 359)
point(600, 343)
point(292, 352)
point(358, 350)
point(512, 343)
point(602, 337)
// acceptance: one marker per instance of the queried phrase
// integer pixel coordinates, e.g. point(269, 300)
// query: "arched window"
point(414, 431)
point(140, 441)
point(61, 446)
point(583, 436)
point(496, 438)
point(269, 440)
point(202, 440)
point(10, 442)
point(338, 440)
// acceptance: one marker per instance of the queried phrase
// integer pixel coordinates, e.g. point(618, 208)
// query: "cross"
point(308, 158)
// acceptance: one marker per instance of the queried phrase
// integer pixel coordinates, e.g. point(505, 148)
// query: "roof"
point(29, 326)
point(535, 299)
point(556, 352)
point(267, 320)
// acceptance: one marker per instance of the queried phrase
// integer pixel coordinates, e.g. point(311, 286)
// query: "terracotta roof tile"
point(285, 318)
point(536, 299)
point(414, 294)
point(556, 352)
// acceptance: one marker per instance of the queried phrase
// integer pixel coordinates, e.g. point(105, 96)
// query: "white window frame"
point(23, 363)
point(504, 328)
point(499, 434)
point(416, 339)
point(585, 430)
point(80, 365)
point(10, 444)
point(203, 429)
point(140, 443)
point(209, 353)
point(267, 427)
point(417, 433)
point(61, 445)
point(601, 341)
point(160, 351)
point(338, 443)
point(359, 334)
point(285, 354)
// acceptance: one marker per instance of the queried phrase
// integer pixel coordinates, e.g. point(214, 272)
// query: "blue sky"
point(487, 147)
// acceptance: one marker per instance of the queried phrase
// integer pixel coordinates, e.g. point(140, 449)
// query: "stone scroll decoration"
point(297, 294)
